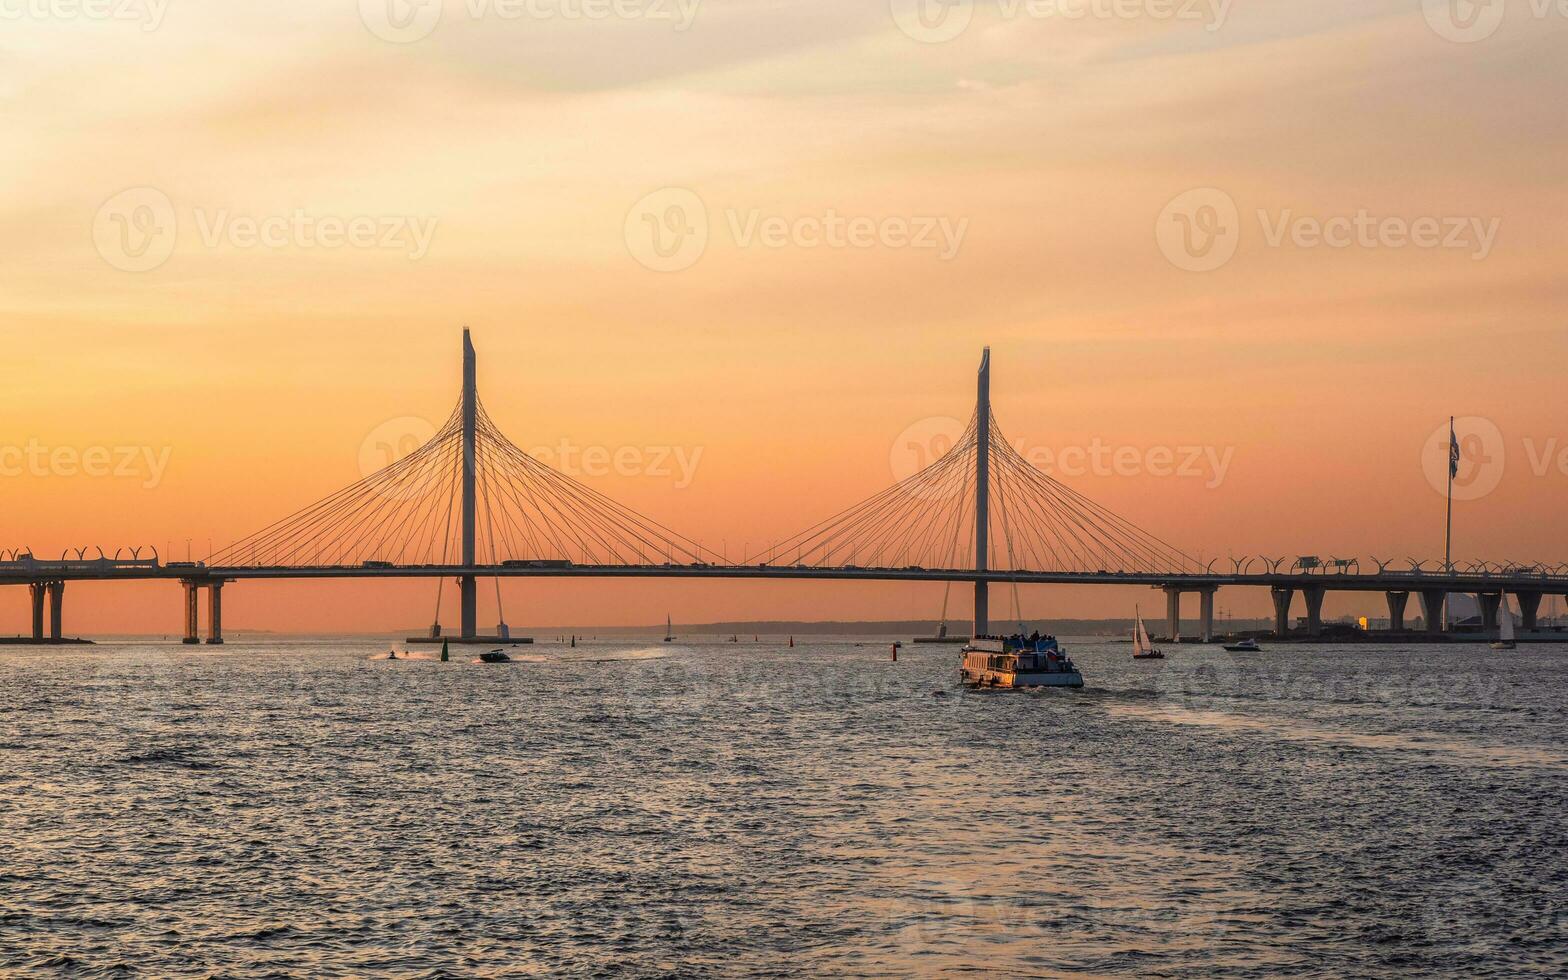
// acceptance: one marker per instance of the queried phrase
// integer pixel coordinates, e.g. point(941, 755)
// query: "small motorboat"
point(495, 656)
point(1142, 647)
point(1249, 645)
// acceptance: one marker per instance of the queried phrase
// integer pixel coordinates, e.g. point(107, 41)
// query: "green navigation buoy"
point(444, 655)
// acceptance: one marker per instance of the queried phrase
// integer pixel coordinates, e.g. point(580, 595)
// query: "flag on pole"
point(1453, 452)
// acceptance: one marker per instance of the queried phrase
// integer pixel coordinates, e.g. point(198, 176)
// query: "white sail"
point(1505, 625)
point(1140, 637)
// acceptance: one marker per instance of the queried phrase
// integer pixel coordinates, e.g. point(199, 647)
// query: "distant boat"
point(941, 636)
point(1142, 647)
point(1505, 628)
point(669, 630)
point(1249, 645)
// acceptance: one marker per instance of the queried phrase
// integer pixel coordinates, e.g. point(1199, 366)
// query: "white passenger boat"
point(1017, 662)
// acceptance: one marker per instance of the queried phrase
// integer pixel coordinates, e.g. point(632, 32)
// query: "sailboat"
point(669, 630)
point(1142, 646)
point(1505, 628)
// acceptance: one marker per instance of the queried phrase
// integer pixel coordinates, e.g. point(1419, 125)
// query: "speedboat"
point(495, 656)
point(1017, 661)
point(1249, 645)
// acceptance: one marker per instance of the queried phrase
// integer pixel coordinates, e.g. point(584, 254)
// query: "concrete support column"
point(1396, 610)
point(1206, 614)
point(1529, 609)
point(35, 592)
point(1172, 613)
point(1282, 597)
point(1432, 608)
point(56, 609)
point(192, 629)
point(215, 612)
point(1489, 602)
point(468, 604)
point(1314, 597)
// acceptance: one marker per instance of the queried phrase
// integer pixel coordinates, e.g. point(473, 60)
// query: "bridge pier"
point(468, 593)
point(1396, 611)
point(35, 592)
point(1489, 602)
point(215, 612)
point(56, 609)
point(1529, 609)
point(1206, 613)
point(192, 628)
point(1173, 612)
point(1314, 596)
point(1432, 608)
point(1282, 596)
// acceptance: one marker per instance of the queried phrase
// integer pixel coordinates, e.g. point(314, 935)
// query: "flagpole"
point(1448, 531)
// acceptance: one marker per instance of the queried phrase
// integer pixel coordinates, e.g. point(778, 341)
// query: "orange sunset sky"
point(247, 376)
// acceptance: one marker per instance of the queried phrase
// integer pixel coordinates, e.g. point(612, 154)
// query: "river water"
point(633, 809)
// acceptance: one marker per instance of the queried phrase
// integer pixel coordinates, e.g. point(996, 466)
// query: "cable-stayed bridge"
point(470, 505)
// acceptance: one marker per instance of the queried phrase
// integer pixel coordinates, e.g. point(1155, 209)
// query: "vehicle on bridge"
point(1017, 661)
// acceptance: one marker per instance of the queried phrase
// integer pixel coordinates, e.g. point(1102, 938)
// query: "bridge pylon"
point(983, 493)
point(468, 586)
